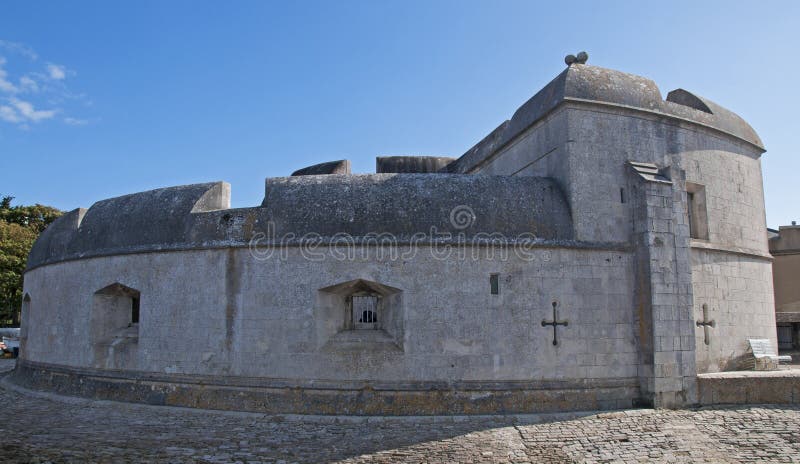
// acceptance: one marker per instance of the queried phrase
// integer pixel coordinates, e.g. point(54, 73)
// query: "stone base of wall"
point(749, 387)
point(280, 397)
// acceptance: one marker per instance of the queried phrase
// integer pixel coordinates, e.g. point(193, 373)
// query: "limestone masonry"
point(600, 249)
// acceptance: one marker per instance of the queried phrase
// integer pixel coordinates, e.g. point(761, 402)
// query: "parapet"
point(328, 207)
point(411, 164)
point(406, 204)
point(328, 167)
point(585, 83)
point(786, 241)
point(156, 218)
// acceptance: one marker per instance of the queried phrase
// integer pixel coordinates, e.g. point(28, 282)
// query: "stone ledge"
point(749, 387)
point(712, 246)
point(535, 397)
point(787, 316)
point(788, 373)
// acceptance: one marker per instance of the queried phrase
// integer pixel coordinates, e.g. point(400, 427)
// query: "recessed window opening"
point(494, 284)
point(135, 310)
point(365, 311)
point(115, 307)
point(622, 195)
point(696, 211)
point(24, 318)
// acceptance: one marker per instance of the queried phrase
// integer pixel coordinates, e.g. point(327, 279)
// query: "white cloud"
point(27, 110)
point(34, 92)
point(26, 83)
point(8, 114)
point(22, 49)
point(5, 84)
point(75, 121)
point(56, 72)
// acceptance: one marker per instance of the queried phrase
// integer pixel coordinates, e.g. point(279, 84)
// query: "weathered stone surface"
point(753, 387)
point(147, 220)
point(331, 398)
point(686, 98)
point(411, 164)
point(48, 428)
point(406, 204)
point(329, 167)
point(257, 316)
point(324, 206)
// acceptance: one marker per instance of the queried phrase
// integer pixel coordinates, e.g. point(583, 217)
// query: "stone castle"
point(601, 249)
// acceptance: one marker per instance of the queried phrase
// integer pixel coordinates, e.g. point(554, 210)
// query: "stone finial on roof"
point(580, 59)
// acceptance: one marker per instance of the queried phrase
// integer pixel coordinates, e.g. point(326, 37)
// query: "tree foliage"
point(19, 228)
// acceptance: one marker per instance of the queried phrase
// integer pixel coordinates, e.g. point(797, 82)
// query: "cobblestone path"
point(42, 428)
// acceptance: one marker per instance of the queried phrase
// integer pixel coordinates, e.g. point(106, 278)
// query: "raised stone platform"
point(277, 396)
point(749, 387)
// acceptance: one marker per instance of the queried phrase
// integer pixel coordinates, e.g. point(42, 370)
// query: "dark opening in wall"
point(696, 211)
point(494, 284)
point(135, 310)
point(365, 311)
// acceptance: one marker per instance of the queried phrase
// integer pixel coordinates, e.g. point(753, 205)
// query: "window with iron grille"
point(364, 311)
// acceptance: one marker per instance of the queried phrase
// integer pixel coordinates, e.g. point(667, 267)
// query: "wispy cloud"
point(5, 85)
point(27, 110)
point(8, 114)
point(18, 48)
point(36, 91)
point(76, 121)
point(56, 72)
point(28, 84)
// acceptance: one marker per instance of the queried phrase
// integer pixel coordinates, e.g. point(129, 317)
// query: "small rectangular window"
point(494, 283)
point(696, 211)
point(622, 195)
point(134, 310)
point(365, 311)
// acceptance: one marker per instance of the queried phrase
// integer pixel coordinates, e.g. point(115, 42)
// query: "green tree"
point(19, 228)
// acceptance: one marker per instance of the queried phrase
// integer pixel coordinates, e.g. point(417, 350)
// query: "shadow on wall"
point(115, 327)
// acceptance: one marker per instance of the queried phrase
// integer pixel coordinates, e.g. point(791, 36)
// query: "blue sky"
point(99, 99)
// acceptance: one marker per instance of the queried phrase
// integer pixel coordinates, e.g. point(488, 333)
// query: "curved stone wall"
point(239, 318)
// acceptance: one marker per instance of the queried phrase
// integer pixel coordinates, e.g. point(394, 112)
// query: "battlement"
point(199, 215)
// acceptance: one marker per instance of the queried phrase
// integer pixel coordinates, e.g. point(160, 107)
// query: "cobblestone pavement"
point(42, 428)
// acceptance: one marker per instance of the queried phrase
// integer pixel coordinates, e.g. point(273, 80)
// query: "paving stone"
point(47, 428)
